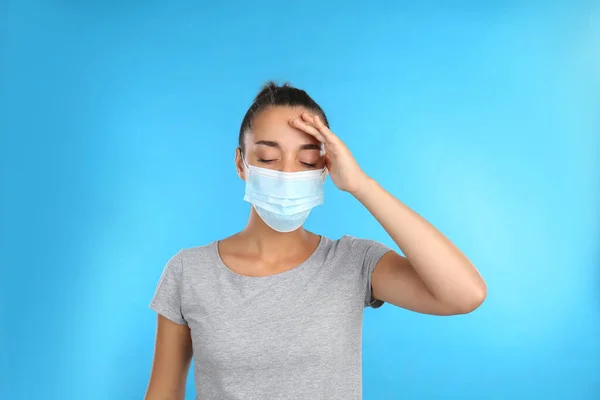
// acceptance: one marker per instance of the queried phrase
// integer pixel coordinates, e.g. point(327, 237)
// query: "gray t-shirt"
point(293, 335)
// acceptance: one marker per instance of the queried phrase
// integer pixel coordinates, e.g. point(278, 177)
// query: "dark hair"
point(273, 95)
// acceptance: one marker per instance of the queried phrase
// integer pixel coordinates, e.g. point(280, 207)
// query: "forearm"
point(443, 268)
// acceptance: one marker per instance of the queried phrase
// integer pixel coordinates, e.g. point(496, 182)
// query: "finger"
point(308, 118)
point(315, 121)
point(318, 123)
point(311, 130)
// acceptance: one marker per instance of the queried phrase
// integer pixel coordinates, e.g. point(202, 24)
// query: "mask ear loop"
point(325, 170)
point(245, 164)
point(244, 160)
point(324, 174)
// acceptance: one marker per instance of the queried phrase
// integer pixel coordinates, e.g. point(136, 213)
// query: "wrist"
point(364, 187)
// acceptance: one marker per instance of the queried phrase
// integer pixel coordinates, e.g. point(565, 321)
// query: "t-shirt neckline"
point(298, 268)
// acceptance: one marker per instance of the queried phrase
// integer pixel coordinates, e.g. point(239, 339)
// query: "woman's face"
point(274, 144)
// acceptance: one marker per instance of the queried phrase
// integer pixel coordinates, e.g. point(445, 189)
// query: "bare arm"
point(435, 277)
point(172, 358)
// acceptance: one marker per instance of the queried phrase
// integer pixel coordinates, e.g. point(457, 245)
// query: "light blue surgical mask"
point(283, 200)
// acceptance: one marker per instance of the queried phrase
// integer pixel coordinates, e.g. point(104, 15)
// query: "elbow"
point(473, 300)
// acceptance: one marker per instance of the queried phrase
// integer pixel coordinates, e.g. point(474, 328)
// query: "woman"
point(275, 311)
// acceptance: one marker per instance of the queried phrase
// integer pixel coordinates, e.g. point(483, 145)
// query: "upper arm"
point(396, 282)
point(173, 347)
point(172, 358)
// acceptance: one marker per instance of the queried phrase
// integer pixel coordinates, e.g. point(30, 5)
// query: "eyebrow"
point(310, 146)
point(269, 143)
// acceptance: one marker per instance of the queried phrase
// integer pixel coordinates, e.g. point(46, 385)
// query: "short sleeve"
point(367, 254)
point(167, 297)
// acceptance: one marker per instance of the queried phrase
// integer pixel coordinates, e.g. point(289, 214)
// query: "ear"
point(327, 164)
point(239, 164)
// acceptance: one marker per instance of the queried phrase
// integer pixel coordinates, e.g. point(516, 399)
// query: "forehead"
point(273, 124)
point(275, 115)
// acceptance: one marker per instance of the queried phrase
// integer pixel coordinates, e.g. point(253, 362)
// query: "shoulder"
point(355, 245)
point(193, 264)
point(355, 250)
point(200, 254)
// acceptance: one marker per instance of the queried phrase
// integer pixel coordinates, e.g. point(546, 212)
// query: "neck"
point(271, 244)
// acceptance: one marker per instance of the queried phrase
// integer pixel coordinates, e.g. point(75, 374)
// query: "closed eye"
point(310, 165)
point(265, 161)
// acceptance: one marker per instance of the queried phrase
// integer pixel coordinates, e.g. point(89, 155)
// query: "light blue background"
point(119, 124)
